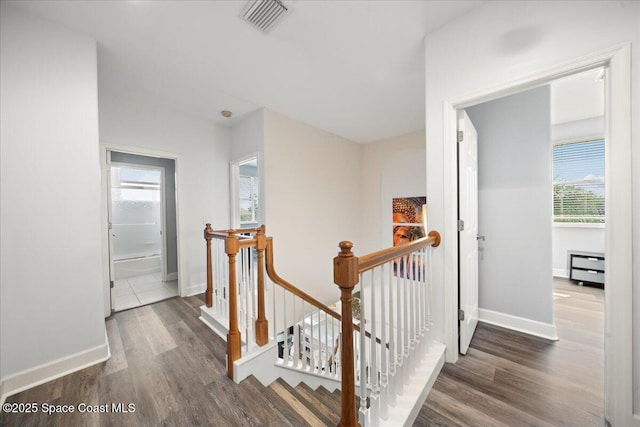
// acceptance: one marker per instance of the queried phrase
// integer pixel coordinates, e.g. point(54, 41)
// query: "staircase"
point(296, 343)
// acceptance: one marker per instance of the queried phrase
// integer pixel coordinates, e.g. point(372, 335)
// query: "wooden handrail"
point(301, 294)
point(369, 261)
point(271, 272)
point(222, 234)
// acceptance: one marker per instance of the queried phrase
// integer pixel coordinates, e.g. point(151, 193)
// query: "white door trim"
point(618, 264)
point(104, 148)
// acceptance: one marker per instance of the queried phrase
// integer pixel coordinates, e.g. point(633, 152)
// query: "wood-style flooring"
point(512, 379)
point(168, 364)
point(171, 367)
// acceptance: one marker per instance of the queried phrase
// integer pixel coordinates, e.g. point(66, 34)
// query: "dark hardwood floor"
point(512, 379)
point(169, 365)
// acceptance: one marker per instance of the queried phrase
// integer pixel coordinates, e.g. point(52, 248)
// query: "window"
point(578, 182)
point(248, 189)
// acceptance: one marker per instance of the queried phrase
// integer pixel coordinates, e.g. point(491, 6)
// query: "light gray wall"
point(169, 166)
point(51, 297)
point(515, 204)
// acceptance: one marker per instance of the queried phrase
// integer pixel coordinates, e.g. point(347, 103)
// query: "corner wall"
point(390, 168)
point(51, 306)
point(312, 185)
point(515, 205)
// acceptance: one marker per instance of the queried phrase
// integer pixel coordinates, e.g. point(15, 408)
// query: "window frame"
point(578, 221)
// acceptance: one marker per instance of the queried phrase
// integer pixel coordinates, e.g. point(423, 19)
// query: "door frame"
point(618, 243)
point(104, 148)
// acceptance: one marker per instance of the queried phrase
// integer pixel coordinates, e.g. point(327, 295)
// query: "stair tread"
point(329, 398)
point(328, 407)
point(313, 414)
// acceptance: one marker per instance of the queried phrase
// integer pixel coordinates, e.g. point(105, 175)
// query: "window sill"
point(578, 225)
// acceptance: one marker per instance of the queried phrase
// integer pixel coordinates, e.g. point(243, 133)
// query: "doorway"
point(618, 264)
point(532, 146)
point(142, 230)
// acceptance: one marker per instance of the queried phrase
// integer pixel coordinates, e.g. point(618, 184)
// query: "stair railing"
point(393, 303)
point(306, 329)
point(238, 288)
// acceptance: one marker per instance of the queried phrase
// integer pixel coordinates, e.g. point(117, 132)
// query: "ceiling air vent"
point(264, 14)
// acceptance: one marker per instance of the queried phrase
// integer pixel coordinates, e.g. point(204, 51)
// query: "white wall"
point(51, 292)
point(390, 168)
point(202, 169)
point(570, 238)
point(312, 181)
point(515, 205)
point(247, 135)
point(247, 138)
point(499, 43)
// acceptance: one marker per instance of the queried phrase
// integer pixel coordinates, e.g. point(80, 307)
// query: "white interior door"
point(468, 229)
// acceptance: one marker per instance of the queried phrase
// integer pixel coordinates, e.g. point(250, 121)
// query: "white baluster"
point(384, 369)
point(374, 400)
point(392, 337)
point(363, 358)
point(412, 312)
point(302, 348)
point(405, 323)
point(400, 339)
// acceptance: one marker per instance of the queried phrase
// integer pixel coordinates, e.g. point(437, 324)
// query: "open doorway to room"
point(618, 314)
point(540, 227)
point(142, 230)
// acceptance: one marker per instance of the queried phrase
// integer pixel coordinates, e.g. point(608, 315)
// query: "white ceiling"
point(353, 68)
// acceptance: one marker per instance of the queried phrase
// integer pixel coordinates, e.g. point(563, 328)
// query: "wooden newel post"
point(345, 275)
point(234, 349)
point(209, 293)
point(262, 325)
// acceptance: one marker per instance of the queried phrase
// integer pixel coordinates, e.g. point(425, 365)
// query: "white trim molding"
point(194, 289)
point(520, 324)
point(55, 369)
point(561, 272)
point(619, 248)
point(143, 151)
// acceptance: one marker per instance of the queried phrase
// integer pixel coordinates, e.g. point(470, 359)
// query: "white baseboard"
point(561, 272)
point(195, 290)
point(50, 371)
point(520, 324)
point(172, 276)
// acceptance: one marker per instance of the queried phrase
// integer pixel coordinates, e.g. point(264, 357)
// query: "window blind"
point(578, 182)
